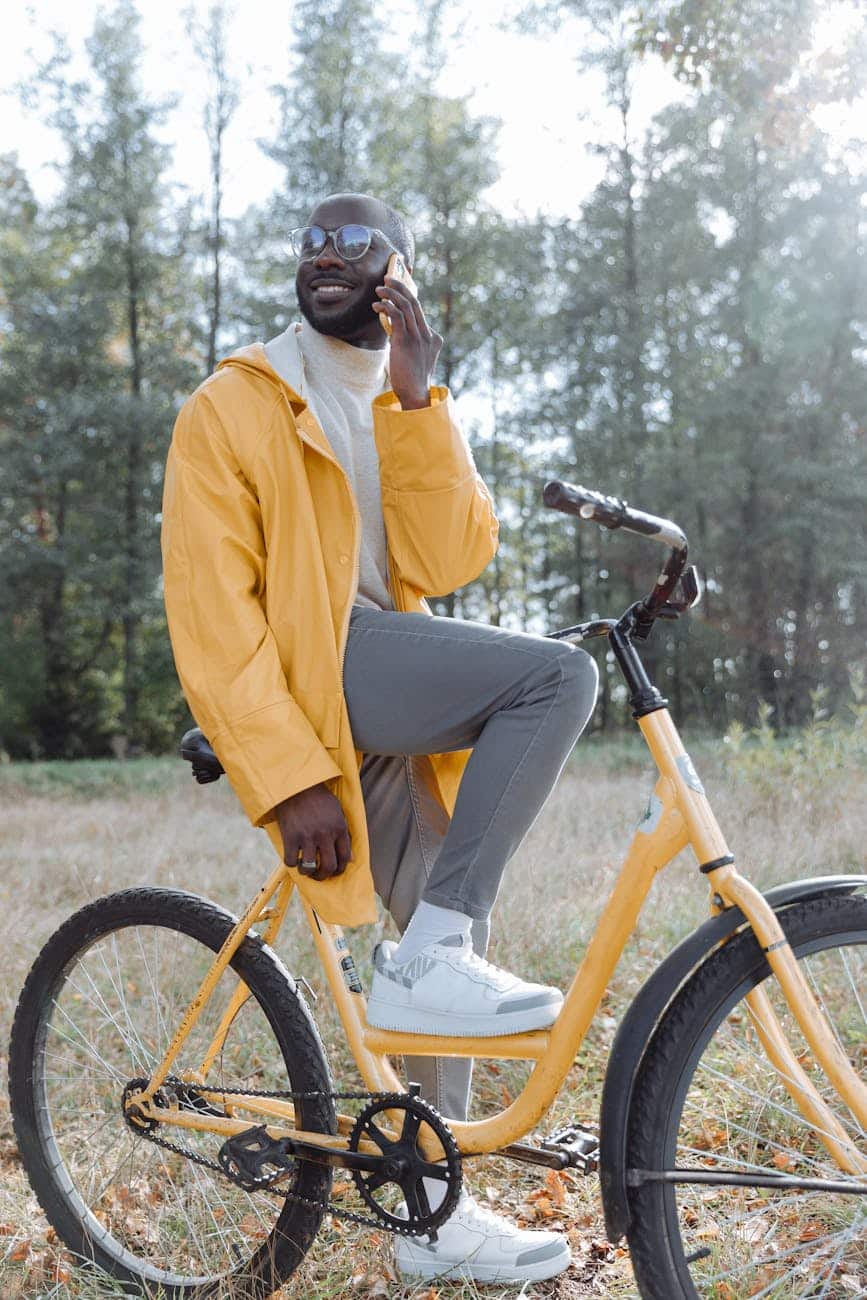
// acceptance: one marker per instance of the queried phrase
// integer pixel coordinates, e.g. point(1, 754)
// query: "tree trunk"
point(214, 315)
point(132, 485)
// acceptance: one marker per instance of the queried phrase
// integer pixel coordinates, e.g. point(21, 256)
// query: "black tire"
point(707, 1097)
point(99, 1008)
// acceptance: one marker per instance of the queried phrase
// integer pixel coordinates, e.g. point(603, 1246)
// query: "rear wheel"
point(708, 1098)
point(98, 1010)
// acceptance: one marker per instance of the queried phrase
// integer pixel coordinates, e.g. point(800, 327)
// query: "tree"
point(57, 490)
point(210, 40)
point(115, 199)
point(121, 356)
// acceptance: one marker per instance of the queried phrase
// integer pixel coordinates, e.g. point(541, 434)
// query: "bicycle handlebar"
point(611, 512)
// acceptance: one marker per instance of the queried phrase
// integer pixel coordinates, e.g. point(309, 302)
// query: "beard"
point(338, 321)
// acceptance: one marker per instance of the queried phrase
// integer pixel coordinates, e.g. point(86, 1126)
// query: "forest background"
point(692, 338)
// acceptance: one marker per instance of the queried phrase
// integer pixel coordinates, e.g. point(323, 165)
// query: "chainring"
point(405, 1165)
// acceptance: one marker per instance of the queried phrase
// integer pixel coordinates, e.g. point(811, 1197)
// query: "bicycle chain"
point(328, 1206)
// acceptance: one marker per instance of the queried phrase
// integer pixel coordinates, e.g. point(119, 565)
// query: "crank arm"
point(340, 1159)
point(246, 1157)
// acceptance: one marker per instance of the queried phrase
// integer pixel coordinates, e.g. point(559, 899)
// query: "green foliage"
point(750, 48)
point(94, 358)
point(692, 339)
point(823, 751)
point(92, 778)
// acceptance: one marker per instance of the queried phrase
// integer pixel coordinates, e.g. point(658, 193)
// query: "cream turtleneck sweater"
point(339, 383)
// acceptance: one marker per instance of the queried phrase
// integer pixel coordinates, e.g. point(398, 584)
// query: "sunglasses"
point(349, 242)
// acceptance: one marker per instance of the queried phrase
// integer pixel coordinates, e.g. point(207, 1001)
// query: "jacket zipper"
point(392, 573)
point(344, 636)
point(355, 569)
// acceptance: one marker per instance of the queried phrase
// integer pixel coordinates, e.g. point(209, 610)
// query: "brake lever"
point(689, 594)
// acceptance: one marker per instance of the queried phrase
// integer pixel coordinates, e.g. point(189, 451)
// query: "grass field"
point(71, 832)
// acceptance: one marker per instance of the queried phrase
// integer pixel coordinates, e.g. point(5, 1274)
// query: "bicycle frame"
point(678, 815)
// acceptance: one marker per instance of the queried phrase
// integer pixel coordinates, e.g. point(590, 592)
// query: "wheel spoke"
point(714, 1101)
point(155, 1213)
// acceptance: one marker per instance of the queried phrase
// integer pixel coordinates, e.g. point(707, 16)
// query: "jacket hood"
point(253, 360)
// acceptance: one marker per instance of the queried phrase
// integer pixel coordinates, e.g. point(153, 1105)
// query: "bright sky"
point(550, 112)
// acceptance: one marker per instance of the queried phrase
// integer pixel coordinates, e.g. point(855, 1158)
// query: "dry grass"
point(58, 850)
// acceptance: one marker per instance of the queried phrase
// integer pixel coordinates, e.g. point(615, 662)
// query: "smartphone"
point(398, 268)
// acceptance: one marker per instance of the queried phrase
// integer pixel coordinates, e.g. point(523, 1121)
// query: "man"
point(317, 488)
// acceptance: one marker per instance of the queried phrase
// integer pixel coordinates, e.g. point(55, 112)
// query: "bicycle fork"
point(737, 892)
point(729, 889)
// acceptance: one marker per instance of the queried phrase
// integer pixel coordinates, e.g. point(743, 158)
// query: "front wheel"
point(98, 1010)
point(708, 1098)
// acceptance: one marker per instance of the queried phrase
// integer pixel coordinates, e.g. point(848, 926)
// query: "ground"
point(74, 831)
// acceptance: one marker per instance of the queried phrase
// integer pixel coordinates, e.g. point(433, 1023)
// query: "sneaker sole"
point(429, 1270)
point(411, 1020)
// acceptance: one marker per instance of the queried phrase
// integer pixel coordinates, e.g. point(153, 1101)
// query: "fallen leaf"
point(555, 1186)
point(711, 1138)
point(21, 1251)
point(251, 1226)
point(811, 1231)
point(752, 1230)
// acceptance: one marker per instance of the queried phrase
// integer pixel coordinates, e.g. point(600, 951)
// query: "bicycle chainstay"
point(268, 1183)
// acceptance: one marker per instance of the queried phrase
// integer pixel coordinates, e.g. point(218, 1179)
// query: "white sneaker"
point(447, 989)
point(477, 1244)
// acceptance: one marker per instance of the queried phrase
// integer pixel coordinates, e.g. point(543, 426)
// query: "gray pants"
point(416, 685)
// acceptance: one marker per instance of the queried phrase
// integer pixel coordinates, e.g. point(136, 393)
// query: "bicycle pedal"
point(247, 1157)
point(579, 1144)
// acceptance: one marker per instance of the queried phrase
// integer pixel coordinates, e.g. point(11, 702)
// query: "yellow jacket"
point(260, 538)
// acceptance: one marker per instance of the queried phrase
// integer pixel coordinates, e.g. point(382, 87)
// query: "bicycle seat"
point(196, 750)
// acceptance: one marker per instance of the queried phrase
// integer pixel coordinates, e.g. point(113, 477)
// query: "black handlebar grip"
point(573, 499)
point(611, 512)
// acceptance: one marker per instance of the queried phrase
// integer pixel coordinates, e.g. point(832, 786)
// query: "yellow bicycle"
point(176, 1116)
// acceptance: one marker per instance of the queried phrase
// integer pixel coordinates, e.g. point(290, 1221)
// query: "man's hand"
point(310, 820)
point(414, 345)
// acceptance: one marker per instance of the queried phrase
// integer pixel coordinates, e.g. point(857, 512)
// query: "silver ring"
point(307, 867)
